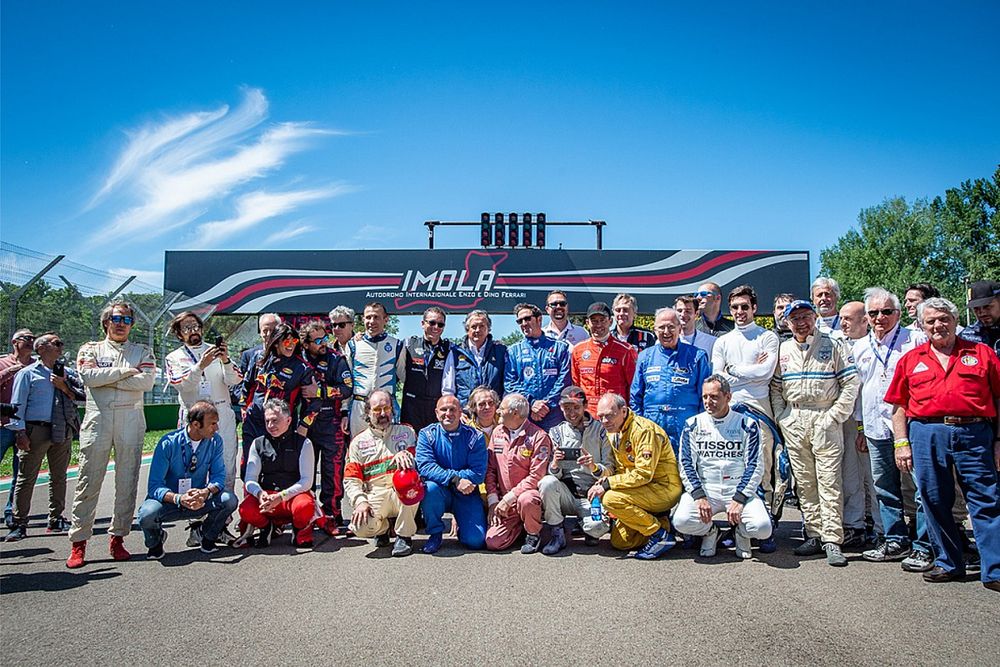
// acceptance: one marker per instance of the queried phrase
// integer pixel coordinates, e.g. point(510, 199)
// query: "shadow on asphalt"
point(25, 553)
point(52, 582)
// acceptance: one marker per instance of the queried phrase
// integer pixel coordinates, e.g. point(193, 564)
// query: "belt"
point(35, 422)
point(950, 421)
point(355, 397)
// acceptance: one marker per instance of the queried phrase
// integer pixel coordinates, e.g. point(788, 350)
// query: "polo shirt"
point(968, 388)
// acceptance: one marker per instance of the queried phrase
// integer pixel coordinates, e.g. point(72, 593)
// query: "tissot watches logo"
point(447, 280)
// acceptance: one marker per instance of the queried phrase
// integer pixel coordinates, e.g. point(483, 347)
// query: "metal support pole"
point(430, 233)
point(24, 288)
point(112, 295)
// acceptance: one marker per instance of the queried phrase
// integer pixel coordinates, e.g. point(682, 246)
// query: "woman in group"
point(481, 410)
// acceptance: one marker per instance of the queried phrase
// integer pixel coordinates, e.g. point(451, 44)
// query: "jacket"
point(822, 375)
point(104, 368)
point(643, 456)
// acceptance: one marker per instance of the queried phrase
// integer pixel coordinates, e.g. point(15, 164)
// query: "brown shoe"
point(77, 555)
point(992, 585)
point(118, 550)
point(939, 575)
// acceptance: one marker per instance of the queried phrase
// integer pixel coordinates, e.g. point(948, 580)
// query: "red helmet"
point(408, 485)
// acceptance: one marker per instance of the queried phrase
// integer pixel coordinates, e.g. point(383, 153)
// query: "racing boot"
point(433, 543)
point(709, 542)
point(744, 548)
point(658, 544)
point(530, 545)
point(557, 541)
point(117, 548)
point(77, 555)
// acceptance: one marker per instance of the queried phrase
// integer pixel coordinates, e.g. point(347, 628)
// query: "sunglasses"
point(26, 339)
point(557, 304)
point(289, 343)
point(526, 318)
point(485, 403)
point(56, 343)
point(739, 306)
point(884, 311)
point(190, 328)
point(339, 325)
point(320, 341)
point(434, 323)
point(705, 293)
point(122, 319)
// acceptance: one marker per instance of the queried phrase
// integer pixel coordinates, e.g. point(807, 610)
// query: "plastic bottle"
point(595, 509)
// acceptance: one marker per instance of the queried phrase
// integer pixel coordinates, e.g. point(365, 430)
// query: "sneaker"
point(117, 548)
point(557, 541)
point(918, 561)
point(658, 544)
point(887, 550)
point(194, 534)
point(744, 549)
point(710, 542)
point(834, 556)
point(591, 541)
point(992, 585)
point(77, 555)
point(402, 547)
point(58, 525)
point(227, 537)
point(972, 562)
point(811, 547)
point(382, 541)
point(768, 546)
point(156, 553)
point(16, 534)
point(854, 538)
point(530, 545)
point(433, 543)
point(264, 537)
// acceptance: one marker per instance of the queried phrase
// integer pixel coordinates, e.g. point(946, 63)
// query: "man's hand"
point(762, 357)
point(538, 410)
point(558, 455)
point(502, 509)
point(192, 500)
point(345, 425)
point(131, 371)
point(211, 354)
point(904, 458)
point(734, 512)
point(465, 487)
point(861, 443)
point(704, 510)
point(269, 501)
point(491, 515)
point(596, 491)
point(586, 460)
point(403, 460)
point(22, 440)
point(363, 513)
point(61, 384)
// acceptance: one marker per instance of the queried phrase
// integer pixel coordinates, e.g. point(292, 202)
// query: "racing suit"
point(645, 485)
point(368, 478)
point(602, 367)
point(812, 393)
point(564, 489)
point(721, 461)
point(517, 463)
point(980, 333)
point(475, 368)
point(213, 385)
point(637, 337)
point(667, 386)
point(333, 391)
point(114, 418)
point(538, 368)
point(443, 458)
point(375, 363)
point(426, 367)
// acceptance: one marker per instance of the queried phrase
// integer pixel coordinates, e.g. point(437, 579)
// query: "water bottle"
point(595, 509)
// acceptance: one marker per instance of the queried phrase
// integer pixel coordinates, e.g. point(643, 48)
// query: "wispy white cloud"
point(288, 234)
point(373, 233)
point(172, 172)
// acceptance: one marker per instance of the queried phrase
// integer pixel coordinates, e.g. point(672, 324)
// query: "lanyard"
point(190, 355)
point(888, 352)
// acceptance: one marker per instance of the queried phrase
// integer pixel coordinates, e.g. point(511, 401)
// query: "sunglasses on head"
point(434, 323)
point(883, 311)
point(339, 325)
point(122, 319)
point(557, 304)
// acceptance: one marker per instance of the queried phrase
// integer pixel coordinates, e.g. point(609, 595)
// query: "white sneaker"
point(744, 549)
point(709, 541)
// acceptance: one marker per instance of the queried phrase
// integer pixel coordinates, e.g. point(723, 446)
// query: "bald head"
point(449, 412)
point(852, 320)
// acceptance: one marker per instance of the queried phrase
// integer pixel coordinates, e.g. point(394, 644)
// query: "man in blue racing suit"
point(537, 367)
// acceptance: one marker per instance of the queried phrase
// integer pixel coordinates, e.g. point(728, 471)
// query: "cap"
point(982, 292)
point(599, 308)
point(408, 485)
point(798, 303)
point(572, 393)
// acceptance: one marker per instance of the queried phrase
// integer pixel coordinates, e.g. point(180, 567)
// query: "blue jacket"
point(172, 461)
point(442, 455)
point(666, 387)
point(469, 374)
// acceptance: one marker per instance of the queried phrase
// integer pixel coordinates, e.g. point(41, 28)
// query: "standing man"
point(559, 326)
point(626, 308)
point(342, 325)
point(329, 419)
point(645, 485)
point(376, 361)
point(116, 373)
point(946, 396)
point(44, 394)
point(984, 300)
point(266, 324)
point(192, 370)
point(479, 360)
point(916, 294)
point(429, 360)
point(601, 364)
point(518, 457)
point(812, 394)
point(877, 355)
point(711, 320)
point(668, 376)
point(451, 458)
point(780, 325)
point(746, 358)
point(537, 367)
point(687, 311)
point(21, 343)
point(186, 480)
point(825, 294)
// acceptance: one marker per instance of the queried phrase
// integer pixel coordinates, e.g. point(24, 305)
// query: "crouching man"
point(187, 480)
point(721, 467)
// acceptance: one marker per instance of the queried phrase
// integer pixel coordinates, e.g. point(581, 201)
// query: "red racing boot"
point(118, 550)
point(77, 555)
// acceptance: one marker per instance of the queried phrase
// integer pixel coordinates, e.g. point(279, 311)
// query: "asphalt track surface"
point(346, 602)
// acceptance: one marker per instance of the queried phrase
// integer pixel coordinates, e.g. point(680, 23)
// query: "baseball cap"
point(408, 485)
point(982, 292)
point(798, 303)
point(599, 308)
point(572, 393)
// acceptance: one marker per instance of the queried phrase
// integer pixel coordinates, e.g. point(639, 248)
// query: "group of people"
point(646, 435)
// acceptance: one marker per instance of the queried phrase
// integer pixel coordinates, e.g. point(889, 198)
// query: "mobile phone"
point(59, 368)
point(219, 342)
point(572, 453)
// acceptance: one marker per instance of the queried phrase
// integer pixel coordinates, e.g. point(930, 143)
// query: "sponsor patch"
point(609, 360)
point(645, 454)
point(920, 368)
point(104, 362)
point(529, 372)
point(542, 453)
point(969, 360)
point(824, 353)
point(286, 371)
point(652, 378)
point(526, 453)
point(550, 371)
point(585, 355)
point(680, 380)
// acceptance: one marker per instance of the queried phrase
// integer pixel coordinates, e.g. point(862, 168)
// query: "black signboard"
point(408, 281)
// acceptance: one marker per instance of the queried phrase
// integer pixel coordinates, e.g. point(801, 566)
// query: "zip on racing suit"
point(538, 369)
point(375, 363)
point(667, 386)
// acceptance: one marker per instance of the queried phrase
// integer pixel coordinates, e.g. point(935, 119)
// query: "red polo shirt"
point(968, 388)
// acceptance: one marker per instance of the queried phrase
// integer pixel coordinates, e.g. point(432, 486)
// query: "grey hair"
point(626, 298)
point(880, 294)
point(617, 399)
point(278, 405)
point(937, 303)
point(666, 310)
point(376, 392)
point(478, 313)
point(342, 311)
point(518, 403)
point(823, 281)
point(274, 316)
point(721, 381)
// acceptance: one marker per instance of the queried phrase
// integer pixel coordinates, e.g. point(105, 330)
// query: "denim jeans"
point(7, 442)
point(153, 513)
point(888, 488)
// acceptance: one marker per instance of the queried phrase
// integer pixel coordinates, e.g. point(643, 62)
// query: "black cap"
point(982, 292)
point(599, 308)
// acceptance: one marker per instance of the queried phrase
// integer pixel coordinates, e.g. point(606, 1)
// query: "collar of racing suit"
point(375, 339)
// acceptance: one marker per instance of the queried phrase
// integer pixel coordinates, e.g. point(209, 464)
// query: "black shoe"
point(530, 544)
point(208, 546)
point(917, 561)
point(263, 537)
point(58, 525)
point(890, 550)
point(811, 547)
point(16, 533)
point(591, 541)
point(972, 562)
point(156, 553)
point(992, 585)
point(382, 541)
point(939, 575)
point(854, 538)
point(8, 518)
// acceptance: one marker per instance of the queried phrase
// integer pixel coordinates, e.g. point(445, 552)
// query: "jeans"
point(153, 513)
point(7, 442)
point(888, 488)
point(467, 510)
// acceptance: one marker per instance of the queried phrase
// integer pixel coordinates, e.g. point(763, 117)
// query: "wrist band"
point(177, 499)
point(901, 443)
point(861, 428)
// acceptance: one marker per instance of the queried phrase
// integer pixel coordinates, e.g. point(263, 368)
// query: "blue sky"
point(130, 128)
